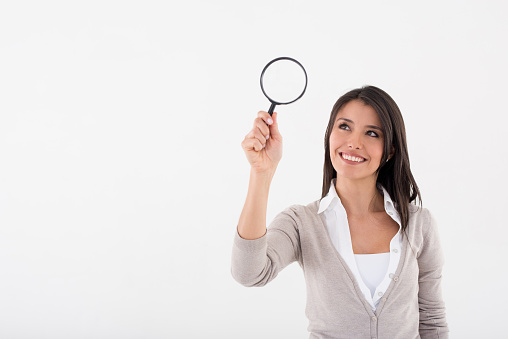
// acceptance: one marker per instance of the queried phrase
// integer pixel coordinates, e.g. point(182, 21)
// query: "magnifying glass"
point(283, 81)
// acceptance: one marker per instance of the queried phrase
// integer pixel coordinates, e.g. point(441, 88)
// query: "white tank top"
point(372, 268)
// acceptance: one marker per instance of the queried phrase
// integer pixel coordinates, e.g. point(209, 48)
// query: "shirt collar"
point(332, 196)
point(331, 199)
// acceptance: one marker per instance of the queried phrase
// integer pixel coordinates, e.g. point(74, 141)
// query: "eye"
point(373, 134)
point(344, 126)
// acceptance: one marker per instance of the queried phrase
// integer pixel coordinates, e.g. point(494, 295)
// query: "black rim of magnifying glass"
point(274, 103)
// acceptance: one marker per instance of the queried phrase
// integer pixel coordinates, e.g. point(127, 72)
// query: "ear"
point(392, 152)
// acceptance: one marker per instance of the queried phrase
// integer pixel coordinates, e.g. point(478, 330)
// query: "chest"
point(372, 234)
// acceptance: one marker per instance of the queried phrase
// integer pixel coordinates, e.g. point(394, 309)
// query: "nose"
point(354, 141)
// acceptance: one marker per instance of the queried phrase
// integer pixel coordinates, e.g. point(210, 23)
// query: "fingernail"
point(270, 121)
point(264, 145)
point(267, 136)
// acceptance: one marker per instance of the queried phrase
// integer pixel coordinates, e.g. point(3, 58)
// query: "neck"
point(359, 197)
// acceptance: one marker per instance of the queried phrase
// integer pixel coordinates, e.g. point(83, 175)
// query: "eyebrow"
point(369, 126)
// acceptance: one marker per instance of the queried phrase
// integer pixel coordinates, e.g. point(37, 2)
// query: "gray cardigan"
point(412, 306)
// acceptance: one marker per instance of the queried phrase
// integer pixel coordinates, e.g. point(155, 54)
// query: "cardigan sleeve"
point(430, 261)
point(257, 262)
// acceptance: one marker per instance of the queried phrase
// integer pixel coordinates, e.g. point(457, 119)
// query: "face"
point(356, 141)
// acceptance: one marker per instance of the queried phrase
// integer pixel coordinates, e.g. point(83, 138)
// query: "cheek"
point(376, 149)
point(334, 145)
point(335, 140)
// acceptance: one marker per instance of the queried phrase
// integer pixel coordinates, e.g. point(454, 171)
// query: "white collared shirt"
point(335, 218)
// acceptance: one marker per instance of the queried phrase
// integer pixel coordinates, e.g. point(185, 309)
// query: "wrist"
point(262, 175)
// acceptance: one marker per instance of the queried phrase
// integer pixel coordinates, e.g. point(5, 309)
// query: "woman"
point(371, 258)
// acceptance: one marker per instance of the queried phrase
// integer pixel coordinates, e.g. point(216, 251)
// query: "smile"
point(351, 158)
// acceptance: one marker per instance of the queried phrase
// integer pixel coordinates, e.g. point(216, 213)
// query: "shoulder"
point(300, 214)
point(303, 210)
point(422, 228)
point(421, 219)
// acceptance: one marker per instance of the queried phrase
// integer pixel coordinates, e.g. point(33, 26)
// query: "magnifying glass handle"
point(272, 107)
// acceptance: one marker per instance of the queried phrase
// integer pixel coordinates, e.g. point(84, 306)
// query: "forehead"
point(359, 113)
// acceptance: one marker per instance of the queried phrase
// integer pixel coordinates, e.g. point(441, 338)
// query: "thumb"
point(274, 128)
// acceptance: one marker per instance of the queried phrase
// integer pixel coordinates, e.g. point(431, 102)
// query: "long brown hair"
point(395, 175)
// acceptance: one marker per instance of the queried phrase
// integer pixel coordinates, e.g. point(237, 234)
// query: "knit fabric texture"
point(412, 306)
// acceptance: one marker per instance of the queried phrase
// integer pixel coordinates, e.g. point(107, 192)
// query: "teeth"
point(351, 158)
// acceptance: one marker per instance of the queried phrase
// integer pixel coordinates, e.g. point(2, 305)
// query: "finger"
point(261, 126)
point(252, 144)
point(260, 136)
point(266, 117)
point(256, 134)
point(274, 128)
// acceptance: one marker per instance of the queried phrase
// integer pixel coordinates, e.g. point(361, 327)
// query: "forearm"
point(252, 223)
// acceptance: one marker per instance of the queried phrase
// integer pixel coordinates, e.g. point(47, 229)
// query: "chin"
point(353, 173)
point(350, 176)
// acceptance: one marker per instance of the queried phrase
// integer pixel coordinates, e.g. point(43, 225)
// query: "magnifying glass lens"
point(284, 81)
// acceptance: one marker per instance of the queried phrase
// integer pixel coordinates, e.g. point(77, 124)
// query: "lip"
point(349, 161)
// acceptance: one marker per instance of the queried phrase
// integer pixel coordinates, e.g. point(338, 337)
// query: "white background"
point(122, 177)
